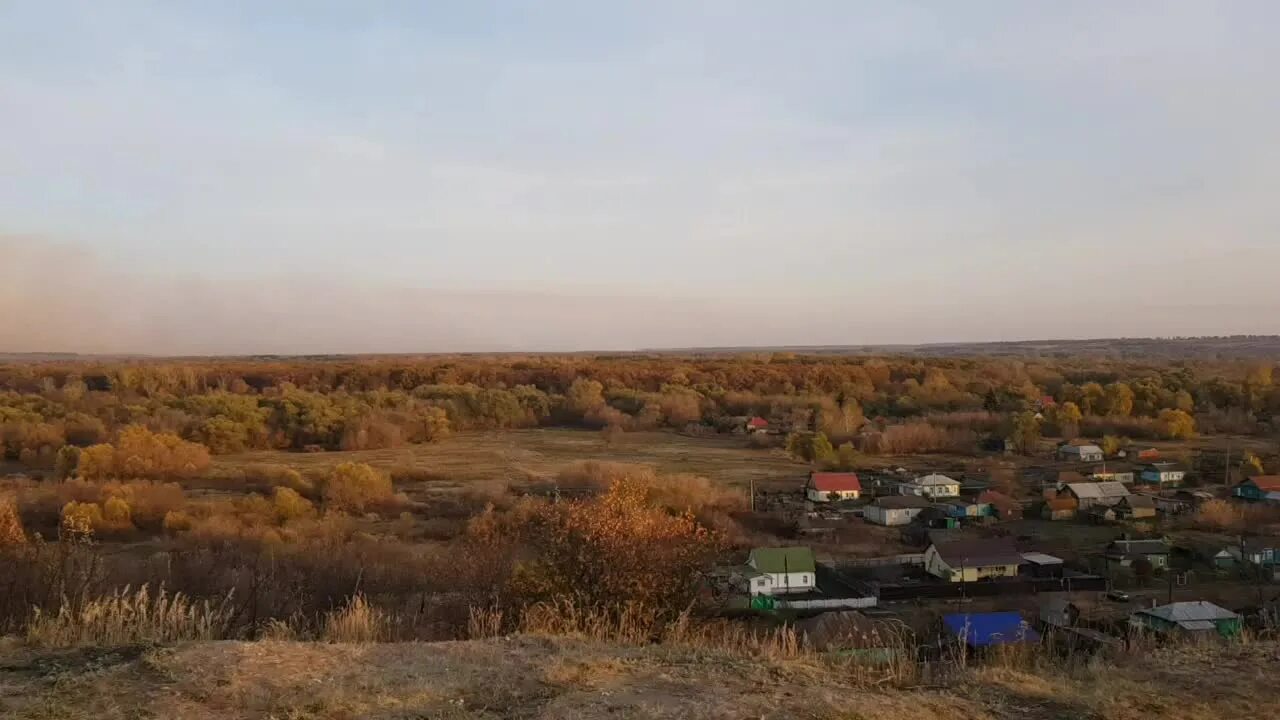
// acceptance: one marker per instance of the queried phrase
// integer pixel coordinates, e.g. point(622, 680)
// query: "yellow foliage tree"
point(97, 462)
point(355, 487)
point(1176, 424)
point(139, 452)
point(79, 521)
point(116, 514)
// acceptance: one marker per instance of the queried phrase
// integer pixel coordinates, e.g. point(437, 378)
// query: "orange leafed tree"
point(11, 532)
point(617, 549)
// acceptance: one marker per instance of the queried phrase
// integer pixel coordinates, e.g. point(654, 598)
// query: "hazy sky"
point(378, 176)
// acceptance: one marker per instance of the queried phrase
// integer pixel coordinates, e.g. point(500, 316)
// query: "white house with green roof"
point(779, 571)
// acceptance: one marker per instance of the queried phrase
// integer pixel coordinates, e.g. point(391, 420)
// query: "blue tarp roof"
point(978, 629)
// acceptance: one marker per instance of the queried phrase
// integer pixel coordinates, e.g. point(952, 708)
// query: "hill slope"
point(545, 678)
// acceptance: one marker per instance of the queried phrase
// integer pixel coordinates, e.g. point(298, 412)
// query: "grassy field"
point(522, 455)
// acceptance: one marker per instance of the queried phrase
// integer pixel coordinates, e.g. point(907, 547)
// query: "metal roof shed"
point(986, 629)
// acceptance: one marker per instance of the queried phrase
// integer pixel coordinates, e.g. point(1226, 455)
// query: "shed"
point(1042, 565)
point(1136, 507)
point(987, 629)
point(852, 633)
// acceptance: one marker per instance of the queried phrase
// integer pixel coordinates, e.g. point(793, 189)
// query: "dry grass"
point(128, 617)
point(519, 455)
point(357, 622)
point(528, 677)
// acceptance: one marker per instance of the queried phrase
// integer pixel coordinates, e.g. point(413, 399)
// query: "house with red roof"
point(757, 424)
point(1259, 487)
point(832, 486)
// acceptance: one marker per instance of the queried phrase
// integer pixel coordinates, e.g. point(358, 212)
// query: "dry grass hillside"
point(535, 677)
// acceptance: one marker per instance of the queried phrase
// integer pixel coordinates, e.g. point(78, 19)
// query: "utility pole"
point(753, 494)
point(1226, 471)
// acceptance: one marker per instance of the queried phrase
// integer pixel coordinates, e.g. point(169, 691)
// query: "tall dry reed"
point(127, 617)
point(357, 622)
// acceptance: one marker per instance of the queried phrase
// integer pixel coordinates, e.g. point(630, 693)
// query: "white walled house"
point(1081, 453)
point(931, 486)
point(832, 486)
point(900, 510)
point(1163, 474)
point(780, 571)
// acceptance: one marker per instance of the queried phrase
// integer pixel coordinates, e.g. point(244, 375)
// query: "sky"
point(302, 177)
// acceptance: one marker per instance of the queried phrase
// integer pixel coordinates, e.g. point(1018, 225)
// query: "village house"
point(1080, 452)
point(1001, 506)
point(966, 509)
point(1256, 551)
point(1198, 618)
point(931, 486)
point(1062, 507)
point(1215, 554)
point(895, 510)
point(1088, 495)
point(1163, 474)
point(1125, 552)
point(1180, 503)
point(1113, 473)
point(832, 486)
point(980, 630)
point(1259, 488)
point(972, 560)
point(1135, 507)
point(779, 571)
point(1100, 514)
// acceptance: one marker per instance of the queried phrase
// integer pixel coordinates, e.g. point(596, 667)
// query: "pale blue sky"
point(564, 175)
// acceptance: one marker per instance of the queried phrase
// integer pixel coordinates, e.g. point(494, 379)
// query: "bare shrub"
point(918, 437)
point(1218, 515)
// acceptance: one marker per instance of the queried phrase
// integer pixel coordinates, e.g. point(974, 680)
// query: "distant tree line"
point(881, 404)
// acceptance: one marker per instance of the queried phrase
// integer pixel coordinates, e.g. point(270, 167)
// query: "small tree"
point(822, 452)
point(1251, 465)
point(1142, 569)
point(1025, 432)
point(11, 532)
point(67, 462)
